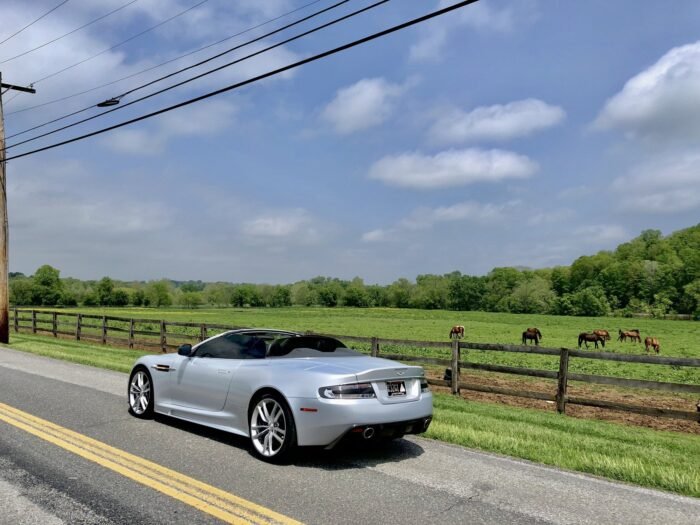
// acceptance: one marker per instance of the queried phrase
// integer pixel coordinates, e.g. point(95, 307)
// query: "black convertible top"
point(309, 346)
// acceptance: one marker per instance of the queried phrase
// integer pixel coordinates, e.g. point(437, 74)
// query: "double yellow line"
point(206, 498)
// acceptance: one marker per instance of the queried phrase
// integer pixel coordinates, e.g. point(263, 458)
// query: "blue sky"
point(507, 133)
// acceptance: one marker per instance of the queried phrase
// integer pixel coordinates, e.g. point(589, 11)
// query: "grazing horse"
point(585, 337)
point(652, 342)
point(457, 331)
point(602, 333)
point(633, 335)
point(533, 334)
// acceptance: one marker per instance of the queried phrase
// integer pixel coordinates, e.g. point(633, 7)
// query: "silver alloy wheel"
point(139, 392)
point(268, 427)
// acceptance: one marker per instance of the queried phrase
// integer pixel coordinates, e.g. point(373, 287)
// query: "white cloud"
point(666, 185)
point(294, 225)
point(451, 168)
point(601, 233)
point(362, 105)
point(482, 17)
point(470, 211)
point(498, 122)
point(377, 235)
point(200, 119)
point(662, 102)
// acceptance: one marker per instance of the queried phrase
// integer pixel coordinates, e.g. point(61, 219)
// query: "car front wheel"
point(272, 429)
point(141, 393)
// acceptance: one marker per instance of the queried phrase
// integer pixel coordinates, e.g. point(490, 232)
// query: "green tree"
point(191, 299)
point(47, 286)
point(158, 293)
point(281, 297)
point(356, 294)
point(104, 292)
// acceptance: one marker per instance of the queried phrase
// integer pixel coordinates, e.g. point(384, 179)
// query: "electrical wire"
point(34, 22)
point(92, 106)
point(252, 80)
point(162, 63)
point(120, 43)
point(69, 33)
point(209, 72)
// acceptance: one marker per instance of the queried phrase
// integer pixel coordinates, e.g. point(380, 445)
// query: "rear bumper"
point(334, 419)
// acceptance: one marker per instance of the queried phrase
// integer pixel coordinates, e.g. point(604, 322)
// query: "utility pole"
point(4, 263)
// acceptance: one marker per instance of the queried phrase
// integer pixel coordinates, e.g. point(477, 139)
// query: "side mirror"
point(185, 350)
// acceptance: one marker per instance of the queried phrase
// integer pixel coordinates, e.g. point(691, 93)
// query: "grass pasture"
point(678, 338)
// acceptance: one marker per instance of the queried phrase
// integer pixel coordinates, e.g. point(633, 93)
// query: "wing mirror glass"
point(185, 350)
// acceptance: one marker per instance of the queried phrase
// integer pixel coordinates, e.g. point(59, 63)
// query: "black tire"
point(271, 428)
point(140, 393)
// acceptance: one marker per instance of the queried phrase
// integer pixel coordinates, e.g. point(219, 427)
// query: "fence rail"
point(156, 333)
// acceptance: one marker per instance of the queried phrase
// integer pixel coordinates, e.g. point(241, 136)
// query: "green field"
point(678, 338)
point(662, 460)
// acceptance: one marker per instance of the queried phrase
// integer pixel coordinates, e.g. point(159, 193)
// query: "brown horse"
point(633, 335)
point(603, 333)
point(652, 342)
point(585, 337)
point(532, 334)
point(457, 331)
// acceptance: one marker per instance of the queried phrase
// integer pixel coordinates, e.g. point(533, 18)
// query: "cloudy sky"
point(507, 133)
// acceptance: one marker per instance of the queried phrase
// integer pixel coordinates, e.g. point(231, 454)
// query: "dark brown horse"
point(585, 337)
point(632, 335)
point(603, 333)
point(652, 342)
point(532, 334)
point(457, 331)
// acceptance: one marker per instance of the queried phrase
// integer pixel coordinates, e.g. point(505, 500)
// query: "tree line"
point(651, 274)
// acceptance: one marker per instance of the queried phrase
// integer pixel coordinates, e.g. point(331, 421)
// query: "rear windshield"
point(310, 346)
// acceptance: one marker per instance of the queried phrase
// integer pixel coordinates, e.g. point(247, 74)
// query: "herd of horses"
point(596, 336)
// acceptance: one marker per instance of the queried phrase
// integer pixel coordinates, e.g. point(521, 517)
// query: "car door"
point(201, 381)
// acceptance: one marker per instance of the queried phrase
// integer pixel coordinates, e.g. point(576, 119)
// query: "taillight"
point(352, 391)
point(424, 385)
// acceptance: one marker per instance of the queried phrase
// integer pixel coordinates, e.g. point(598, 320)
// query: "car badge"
point(400, 372)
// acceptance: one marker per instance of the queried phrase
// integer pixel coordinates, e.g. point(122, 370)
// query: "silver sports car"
point(282, 390)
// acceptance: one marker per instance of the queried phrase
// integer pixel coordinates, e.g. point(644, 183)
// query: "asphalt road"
point(413, 480)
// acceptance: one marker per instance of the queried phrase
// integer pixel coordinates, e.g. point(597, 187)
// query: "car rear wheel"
point(272, 429)
point(141, 394)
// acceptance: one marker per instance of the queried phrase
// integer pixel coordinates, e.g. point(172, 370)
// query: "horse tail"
point(524, 340)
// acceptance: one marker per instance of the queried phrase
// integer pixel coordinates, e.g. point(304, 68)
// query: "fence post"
point(455, 366)
point(131, 334)
point(54, 324)
point(375, 347)
point(78, 326)
point(16, 320)
point(202, 332)
point(33, 321)
point(163, 341)
point(562, 380)
point(104, 329)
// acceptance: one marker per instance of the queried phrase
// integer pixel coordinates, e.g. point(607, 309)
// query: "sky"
point(520, 133)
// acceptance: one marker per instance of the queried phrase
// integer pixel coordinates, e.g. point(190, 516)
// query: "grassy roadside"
point(661, 460)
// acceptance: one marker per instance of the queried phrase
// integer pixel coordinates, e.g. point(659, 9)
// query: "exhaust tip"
point(426, 423)
point(368, 433)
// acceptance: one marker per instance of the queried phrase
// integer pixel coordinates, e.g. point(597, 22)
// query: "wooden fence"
point(152, 334)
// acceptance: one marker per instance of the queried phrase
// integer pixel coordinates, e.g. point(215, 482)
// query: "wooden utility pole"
point(4, 264)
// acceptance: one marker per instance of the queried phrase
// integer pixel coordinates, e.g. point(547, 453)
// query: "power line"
point(69, 33)
point(92, 106)
point(121, 43)
point(209, 72)
point(161, 64)
point(257, 78)
point(34, 22)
